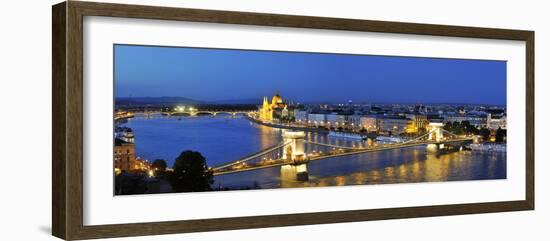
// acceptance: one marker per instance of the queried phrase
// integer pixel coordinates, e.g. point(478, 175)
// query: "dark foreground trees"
point(139, 182)
point(159, 168)
point(191, 174)
point(128, 183)
point(461, 128)
point(485, 134)
point(500, 135)
point(464, 127)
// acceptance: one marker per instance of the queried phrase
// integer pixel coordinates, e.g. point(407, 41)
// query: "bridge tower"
point(294, 153)
point(436, 135)
point(436, 131)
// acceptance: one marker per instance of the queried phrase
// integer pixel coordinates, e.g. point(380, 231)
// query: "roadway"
point(345, 153)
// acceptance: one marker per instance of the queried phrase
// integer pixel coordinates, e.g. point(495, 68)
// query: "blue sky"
point(221, 74)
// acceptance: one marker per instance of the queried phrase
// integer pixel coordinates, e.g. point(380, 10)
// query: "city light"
point(179, 109)
point(332, 132)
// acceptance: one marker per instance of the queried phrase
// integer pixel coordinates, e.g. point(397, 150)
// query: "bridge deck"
point(354, 152)
point(249, 157)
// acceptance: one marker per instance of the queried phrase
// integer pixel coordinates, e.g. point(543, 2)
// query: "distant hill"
point(251, 101)
point(155, 100)
point(167, 100)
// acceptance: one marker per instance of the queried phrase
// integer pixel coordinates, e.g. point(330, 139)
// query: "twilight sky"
point(218, 74)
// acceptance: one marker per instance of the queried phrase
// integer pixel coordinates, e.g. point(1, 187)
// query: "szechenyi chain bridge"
point(294, 160)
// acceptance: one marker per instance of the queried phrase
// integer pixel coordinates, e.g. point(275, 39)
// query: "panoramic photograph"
point(190, 119)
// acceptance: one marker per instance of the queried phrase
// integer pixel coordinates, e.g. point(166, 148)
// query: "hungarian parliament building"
point(274, 109)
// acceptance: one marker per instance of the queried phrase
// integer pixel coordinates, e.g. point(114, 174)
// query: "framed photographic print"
point(251, 120)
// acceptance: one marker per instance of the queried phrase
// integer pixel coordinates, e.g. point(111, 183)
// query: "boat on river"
point(389, 139)
point(346, 135)
point(487, 147)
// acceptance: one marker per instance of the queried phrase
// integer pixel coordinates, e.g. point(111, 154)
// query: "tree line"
point(465, 128)
point(190, 173)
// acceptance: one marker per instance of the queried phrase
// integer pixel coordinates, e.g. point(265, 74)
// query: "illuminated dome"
point(276, 99)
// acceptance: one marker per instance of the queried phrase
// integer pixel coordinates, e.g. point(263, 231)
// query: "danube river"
point(223, 138)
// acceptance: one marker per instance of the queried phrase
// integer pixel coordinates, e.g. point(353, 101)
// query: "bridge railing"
point(250, 157)
point(342, 149)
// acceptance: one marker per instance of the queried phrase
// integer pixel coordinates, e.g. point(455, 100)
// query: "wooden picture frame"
point(67, 124)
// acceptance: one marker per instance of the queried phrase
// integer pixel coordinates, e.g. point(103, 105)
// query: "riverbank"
point(288, 127)
point(122, 118)
point(301, 128)
point(492, 147)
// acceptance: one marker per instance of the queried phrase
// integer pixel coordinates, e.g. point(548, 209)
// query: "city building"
point(300, 116)
point(128, 135)
point(336, 120)
point(288, 113)
point(475, 120)
point(496, 121)
point(420, 109)
point(125, 134)
point(461, 110)
point(395, 125)
point(273, 110)
point(434, 117)
point(354, 121)
point(316, 119)
point(369, 123)
point(124, 155)
point(419, 122)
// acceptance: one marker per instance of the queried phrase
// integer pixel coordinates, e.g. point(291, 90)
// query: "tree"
point(191, 174)
point(448, 126)
point(457, 128)
point(159, 167)
point(129, 183)
point(500, 135)
point(485, 133)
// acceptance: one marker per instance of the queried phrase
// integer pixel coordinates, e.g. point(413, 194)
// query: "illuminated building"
point(274, 109)
point(316, 119)
point(124, 155)
point(301, 116)
point(124, 133)
point(419, 123)
point(128, 135)
point(369, 123)
point(475, 120)
point(336, 120)
point(354, 122)
point(395, 125)
point(496, 121)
